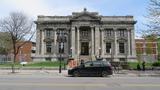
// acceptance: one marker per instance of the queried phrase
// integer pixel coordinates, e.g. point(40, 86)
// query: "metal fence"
point(5, 59)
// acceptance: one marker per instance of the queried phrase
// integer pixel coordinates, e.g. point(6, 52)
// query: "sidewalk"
point(35, 72)
point(121, 73)
point(135, 73)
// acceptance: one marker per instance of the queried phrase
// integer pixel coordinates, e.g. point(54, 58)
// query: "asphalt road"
point(41, 82)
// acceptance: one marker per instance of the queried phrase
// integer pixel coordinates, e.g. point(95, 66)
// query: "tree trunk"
point(14, 59)
point(13, 64)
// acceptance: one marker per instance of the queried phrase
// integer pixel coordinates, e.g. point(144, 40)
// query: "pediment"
point(122, 39)
point(85, 16)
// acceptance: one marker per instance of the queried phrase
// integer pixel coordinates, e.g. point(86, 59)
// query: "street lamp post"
point(111, 53)
point(61, 39)
point(99, 52)
point(98, 57)
point(71, 52)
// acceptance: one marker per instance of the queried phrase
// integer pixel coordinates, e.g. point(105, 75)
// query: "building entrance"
point(84, 48)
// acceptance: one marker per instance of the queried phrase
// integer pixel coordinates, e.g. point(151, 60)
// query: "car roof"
point(96, 61)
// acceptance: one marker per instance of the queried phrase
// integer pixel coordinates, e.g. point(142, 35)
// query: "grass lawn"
point(36, 64)
point(133, 65)
point(45, 64)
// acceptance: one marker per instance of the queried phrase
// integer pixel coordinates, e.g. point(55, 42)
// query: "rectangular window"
point(33, 51)
point(139, 50)
point(108, 47)
point(48, 47)
point(109, 32)
point(122, 32)
point(84, 48)
point(48, 33)
point(148, 50)
point(84, 34)
point(153, 50)
point(121, 47)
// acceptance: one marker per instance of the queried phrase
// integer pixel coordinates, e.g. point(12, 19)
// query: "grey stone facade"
point(89, 35)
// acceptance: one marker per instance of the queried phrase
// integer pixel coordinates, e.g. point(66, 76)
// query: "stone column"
point(43, 43)
point(133, 44)
point(115, 42)
point(78, 51)
point(73, 42)
point(103, 44)
point(115, 45)
point(38, 31)
point(97, 39)
point(55, 41)
point(92, 42)
point(40, 42)
point(129, 49)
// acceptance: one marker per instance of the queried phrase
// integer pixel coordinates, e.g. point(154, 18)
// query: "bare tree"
point(153, 17)
point(19, 26)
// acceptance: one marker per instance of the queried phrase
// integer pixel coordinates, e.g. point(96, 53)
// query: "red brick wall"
point(147, 47)
point(24, 52)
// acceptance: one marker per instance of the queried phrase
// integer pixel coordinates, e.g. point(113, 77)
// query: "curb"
point(30, 68)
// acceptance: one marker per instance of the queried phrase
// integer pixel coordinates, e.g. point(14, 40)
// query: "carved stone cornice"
point(108, 39)
point(86, 39)
point(122, 39)
point(48, 40)
point(118, 22)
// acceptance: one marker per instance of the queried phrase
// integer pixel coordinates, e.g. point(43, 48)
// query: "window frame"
point(48, 47)
point(110, 47)
point(121, 48)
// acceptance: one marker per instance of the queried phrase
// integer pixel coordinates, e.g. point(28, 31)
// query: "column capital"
point(78, 26)
point(130, 28)
point(92, 27)
point(114, 28)
point(54, 28)
point(101, 28)
point(73, 28)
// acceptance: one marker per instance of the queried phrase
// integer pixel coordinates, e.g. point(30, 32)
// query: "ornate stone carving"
point(48, 40)
point(108, 39)
point(122, 39)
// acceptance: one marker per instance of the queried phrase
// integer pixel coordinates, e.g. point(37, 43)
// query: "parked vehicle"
point(92, 68)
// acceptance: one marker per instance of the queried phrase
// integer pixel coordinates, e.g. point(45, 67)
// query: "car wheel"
point(76, 74)
point(104, 74)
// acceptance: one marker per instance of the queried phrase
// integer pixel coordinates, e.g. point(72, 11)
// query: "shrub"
point(156, 64)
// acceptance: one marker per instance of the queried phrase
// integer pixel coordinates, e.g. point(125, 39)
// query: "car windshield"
point(88, 64)
point(97, 63)
point(106, 63)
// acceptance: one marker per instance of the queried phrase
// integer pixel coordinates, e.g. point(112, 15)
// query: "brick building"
point(147, 50)
point(26, 51)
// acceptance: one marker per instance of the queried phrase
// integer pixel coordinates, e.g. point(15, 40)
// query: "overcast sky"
point(32, 8)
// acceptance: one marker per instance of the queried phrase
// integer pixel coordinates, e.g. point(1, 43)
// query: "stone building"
point(88, 36)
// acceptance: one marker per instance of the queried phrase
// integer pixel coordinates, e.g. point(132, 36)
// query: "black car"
point(92, 68)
